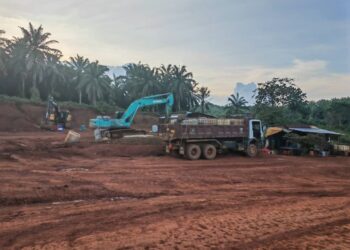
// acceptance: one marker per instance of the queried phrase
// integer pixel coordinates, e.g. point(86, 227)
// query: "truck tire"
point(252, 150)
point(193, 152)
point(209, 152)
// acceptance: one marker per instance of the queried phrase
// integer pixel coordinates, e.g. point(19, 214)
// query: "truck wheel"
point(193, 152)
point(252, 150)
point(209, 152)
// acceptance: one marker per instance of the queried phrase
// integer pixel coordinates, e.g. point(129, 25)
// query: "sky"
point(221, 41)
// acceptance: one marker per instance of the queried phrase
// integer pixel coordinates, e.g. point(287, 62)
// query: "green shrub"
point(15, 99)
point(106, 109)
point(35, 94)
point(68, 105)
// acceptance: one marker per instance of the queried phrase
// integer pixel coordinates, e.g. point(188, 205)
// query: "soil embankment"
point(20, 117)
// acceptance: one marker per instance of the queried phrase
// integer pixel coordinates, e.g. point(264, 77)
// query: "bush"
point(35, 94)
point(15, 99)
point(68, 105)
point(105, 108)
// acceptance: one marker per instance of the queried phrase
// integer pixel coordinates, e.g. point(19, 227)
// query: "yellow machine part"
point(272, 131)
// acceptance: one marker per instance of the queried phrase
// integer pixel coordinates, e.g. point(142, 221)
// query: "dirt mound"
point(26, 117)
point(81, 116)
point(51, 145)
point(16, 117)
point(145, 120)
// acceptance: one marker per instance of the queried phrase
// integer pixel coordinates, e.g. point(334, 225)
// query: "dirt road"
point(122, 196)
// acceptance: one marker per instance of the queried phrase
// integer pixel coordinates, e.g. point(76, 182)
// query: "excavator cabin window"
point(119, 114)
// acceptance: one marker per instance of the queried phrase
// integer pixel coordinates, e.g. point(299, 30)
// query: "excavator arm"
point(128, 116)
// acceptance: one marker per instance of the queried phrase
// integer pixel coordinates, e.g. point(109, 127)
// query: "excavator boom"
point(128, 116)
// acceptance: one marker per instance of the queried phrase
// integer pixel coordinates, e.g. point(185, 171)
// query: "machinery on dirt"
point(54, 118)
point(121, 125)
point(205, 137)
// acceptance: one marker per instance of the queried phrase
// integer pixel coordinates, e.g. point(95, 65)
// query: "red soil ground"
point(129, 195)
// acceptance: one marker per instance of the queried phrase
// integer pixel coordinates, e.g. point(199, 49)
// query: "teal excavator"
point(121, 125)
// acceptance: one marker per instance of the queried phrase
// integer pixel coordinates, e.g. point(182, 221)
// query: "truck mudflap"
point(171, 148)
point(181, 150)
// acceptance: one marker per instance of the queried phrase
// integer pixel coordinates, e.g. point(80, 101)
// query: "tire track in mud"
point(100, 220)
point(230, 229)
point(322, 228)
point(198, 225)
point(142, 201)
point(105, 220)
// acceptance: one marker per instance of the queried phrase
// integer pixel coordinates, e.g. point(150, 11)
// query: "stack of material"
point(223, 122)
point(206, 121)
point(209, 121)
point(190, 122)
point(237, 122)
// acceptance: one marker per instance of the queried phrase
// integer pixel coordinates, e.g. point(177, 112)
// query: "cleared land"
point(129, 195)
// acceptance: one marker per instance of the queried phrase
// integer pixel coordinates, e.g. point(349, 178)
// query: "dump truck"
point(206, 137)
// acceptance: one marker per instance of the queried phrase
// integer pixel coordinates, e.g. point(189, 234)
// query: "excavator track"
point(121, 132)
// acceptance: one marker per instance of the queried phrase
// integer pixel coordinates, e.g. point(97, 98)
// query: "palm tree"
point(166, 75)
point(54, 74)
point(3, 55)
point(182, 85)
point(39, 50)
point(95, 82)
point(203, 94)
point(119, 94)
point(140, 80)
point(18, 50)
point(79, 64)
point(236, 104)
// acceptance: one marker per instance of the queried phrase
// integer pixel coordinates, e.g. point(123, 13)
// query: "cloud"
point(222, 42)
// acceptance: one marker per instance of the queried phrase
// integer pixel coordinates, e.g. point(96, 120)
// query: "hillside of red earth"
point(20, 117)
point(128, 194)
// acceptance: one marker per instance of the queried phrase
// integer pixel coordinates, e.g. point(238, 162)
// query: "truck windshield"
point(256, 129)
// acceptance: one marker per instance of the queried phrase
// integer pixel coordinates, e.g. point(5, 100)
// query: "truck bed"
point(206, 129)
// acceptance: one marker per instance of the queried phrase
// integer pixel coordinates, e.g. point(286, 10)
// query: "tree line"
point(280, 101)
point(30, 67)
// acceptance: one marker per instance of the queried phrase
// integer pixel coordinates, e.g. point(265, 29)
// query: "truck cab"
point(255, 138)
point(255, 131)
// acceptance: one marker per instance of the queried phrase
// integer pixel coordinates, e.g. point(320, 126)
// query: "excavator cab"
point(119, 114)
